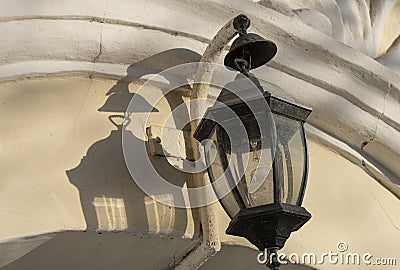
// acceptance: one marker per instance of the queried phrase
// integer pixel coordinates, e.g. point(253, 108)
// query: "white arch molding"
point(355, 98)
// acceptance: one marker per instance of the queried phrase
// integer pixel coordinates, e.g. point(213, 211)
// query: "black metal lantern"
point(265, 215)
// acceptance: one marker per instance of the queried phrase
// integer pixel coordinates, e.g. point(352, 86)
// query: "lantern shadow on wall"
point(110, 198)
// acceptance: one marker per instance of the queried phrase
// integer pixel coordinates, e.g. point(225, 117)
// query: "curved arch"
point(355, 99)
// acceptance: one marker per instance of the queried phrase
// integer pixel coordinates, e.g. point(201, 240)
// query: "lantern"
point(265, 168)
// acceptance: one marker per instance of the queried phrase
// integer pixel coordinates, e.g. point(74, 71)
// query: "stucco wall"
point(63, 170)
point(62, 148)
point(62, 165)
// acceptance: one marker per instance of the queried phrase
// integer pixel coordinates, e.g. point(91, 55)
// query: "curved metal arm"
point(211, 55)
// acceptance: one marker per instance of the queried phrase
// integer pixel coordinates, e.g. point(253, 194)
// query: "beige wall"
point(62, 169)
point(62, 164)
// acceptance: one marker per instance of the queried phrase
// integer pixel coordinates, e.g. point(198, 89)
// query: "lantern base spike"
point(273, 262)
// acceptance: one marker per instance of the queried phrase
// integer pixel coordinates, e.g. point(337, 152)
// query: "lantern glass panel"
point(217, 171)
point(253, 164)
point(256, 185)
point(244, 165)
point(289, 158)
